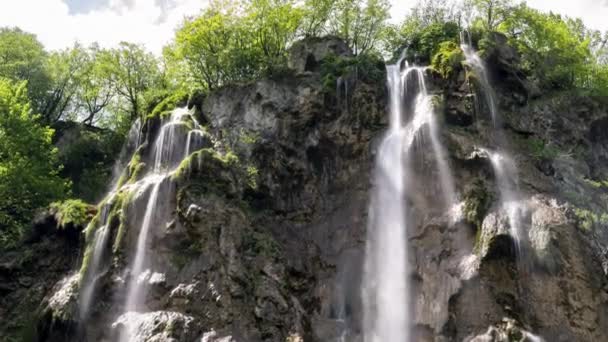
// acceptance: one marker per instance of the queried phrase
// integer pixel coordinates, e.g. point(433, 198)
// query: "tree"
point(22, 58)
point(359, 23)
point(64, 69)
point(219, 46)
point(275, 23)
point(493, 12)
point(315, 17)
point(28, 163)
point(131, 71)
point(95, 90)
point(551, 50)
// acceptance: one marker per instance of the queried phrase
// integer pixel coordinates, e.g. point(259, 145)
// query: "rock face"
point(267, 242)
point(307, 54)
point(32, 278)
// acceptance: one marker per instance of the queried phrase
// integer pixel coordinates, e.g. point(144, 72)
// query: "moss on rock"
point(477, 202)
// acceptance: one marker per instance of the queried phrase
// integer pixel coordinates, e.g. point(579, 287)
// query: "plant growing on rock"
point(72, 213)
point(448, 59)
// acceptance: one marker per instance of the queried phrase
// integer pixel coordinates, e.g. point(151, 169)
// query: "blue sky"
point(84, 6)
point(59, 23)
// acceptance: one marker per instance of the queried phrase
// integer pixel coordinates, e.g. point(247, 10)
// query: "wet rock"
point(547, 220)
point(156, 326)
point(213, 336)
point(506, 331)
point(494, 239)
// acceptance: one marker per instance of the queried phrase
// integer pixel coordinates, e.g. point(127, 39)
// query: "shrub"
point(448, 59)
point(29, 170)
point(72, 213)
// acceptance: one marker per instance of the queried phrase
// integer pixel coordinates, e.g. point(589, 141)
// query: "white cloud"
point(140, 21)
point(152, 22)
point(593, 12)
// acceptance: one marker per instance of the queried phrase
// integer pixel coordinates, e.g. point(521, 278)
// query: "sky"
point(59, 23)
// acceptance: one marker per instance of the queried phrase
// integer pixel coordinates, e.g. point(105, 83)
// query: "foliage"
point(447, 59)
point(588, 219)
point(540, 150)
point(368, 68)
point(235, 41)
point(95, 91)
point(491, 13)
point(218, 47)
point(429, 23)
point(72, 213)
point(28, 163)
point(22, 58)
point(64, 69)
point(315, 17)
point(87, 155)
point(549, 48)
point(360, 23)
point(131, 71)
point(275, 24)
point(422, 42)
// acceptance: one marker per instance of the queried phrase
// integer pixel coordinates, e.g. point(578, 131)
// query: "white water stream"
point(386, 290)
point(504, 166)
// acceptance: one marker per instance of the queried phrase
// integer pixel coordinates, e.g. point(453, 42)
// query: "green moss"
point(264, 244)
point(538, 149)
point(72, 213)
point(477, 246)
point(448, 59)
point(598, 184)
point(115, 218)
point(169, 103)
point(185, 254)
point(477, 202)
point(203, 159)
point(588, 220)
point(118, 217)
point(252, 177)
point(133, 171)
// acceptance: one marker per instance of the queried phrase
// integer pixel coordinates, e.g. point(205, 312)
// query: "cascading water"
point(179, 135)
point(386, 289)
point(504, 167)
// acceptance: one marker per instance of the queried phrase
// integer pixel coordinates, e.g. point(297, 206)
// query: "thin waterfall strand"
point(504, 167)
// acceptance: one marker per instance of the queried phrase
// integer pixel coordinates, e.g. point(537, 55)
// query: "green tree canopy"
point(131, 71)
point(22, 58)
point(551, 50)
point(28, 163)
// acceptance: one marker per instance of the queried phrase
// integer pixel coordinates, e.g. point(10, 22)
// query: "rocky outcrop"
point(263, 231)
point(31, 277)
point(308, 54)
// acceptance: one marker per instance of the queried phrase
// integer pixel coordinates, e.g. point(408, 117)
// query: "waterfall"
point(92, 275)
point(503, 165)
point(477, 64)
point(179, 135)
point(386, 291)
point(135, 288)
